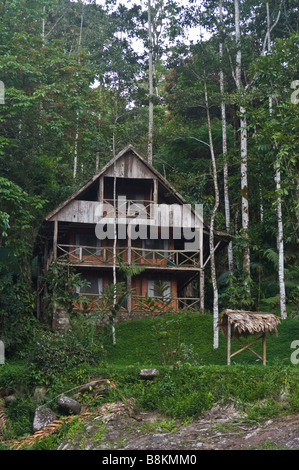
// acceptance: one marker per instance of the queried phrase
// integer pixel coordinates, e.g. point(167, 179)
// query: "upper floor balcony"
point(107, 256)
point(128, 208)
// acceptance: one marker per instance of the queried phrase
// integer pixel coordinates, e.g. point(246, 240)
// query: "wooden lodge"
point(129, 214)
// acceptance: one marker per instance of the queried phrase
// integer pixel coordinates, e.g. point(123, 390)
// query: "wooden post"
point(101, 189)
point(55, 236)
point(228, 342)
point(202, 289)
point(129, 278)
point(264, 349)
point(154, 204)
point(155, 191)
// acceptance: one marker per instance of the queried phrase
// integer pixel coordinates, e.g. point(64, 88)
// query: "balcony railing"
point(127, 208)
point(177, 303)
point(141, 256)
point(88, 254)
point(169, 258)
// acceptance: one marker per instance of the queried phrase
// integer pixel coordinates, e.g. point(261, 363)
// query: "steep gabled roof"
point(127, 149)
point(130, 149)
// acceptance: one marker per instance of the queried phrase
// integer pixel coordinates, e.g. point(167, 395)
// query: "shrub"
point(20, 413)
point(54, 354)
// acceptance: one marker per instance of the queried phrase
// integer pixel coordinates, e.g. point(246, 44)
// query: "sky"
point(193, 34)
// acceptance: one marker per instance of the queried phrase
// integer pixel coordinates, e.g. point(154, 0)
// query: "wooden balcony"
point(104, 256)
point(127, 208)
point(169, 258)
point(177, 303)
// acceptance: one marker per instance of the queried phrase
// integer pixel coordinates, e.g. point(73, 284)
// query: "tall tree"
point(212, 222)
point(151, 87)
point(243, 141)
point(77, 115)
point(280, 241)
point(224, 141)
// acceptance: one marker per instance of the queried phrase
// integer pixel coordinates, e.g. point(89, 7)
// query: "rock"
point(149, 373)
point(8, 400)
point(69, 405)
point(42, 417)
point(293, 444)
point(88, 387)
point(39, 394)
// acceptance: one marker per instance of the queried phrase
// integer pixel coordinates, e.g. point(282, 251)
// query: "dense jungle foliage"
point(74, 91)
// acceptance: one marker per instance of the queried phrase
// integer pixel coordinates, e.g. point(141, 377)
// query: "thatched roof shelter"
point(240, 323)
point(245, 323)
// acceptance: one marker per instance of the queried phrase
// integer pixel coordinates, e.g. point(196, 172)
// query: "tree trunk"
point(77, 114)
point(243, 127)
point(224, 148)
point(151, 88)
point(115, 239)
point(280, 244)
point(211, 238)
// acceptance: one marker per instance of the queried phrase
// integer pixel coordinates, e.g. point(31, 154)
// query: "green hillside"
point(192, 375)
point(189, 338)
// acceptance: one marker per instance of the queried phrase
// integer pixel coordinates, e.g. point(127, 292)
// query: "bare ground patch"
point(222, 428)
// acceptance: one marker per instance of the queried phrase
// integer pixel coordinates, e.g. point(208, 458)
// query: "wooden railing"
point(179, 303)
point(89, 254)
point(127, 208)
point(144, 256)
point(165, 257)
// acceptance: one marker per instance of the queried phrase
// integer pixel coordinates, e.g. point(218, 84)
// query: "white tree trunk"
point(224, 150)
point(244, 189)
point(243, 126)
point(77, 117)
point(114, 244)
point(43, 24)
point(280, 244)
point(211, 238)
point(76, 150)
point(151, 88)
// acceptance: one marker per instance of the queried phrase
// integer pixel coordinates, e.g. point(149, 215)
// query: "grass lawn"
point(139, 342)
point(200, 379)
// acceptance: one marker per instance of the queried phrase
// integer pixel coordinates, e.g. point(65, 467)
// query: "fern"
point(272, 256)
point(130, 271)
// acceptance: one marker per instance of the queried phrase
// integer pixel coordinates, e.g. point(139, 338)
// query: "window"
point(159, 288)
point(95, 287)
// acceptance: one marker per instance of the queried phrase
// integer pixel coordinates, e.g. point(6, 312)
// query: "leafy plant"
point(238, 292)
point(131, 270)
point(53, 353)
point(105, 308)
point(62, 280)
point(158, 307)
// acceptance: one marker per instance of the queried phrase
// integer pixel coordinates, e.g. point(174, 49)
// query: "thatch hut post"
point(228, 343)
point(243, 323)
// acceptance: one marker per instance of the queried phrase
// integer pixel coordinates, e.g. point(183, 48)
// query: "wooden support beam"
point(101, 189)
point(202, 288)
point(228, 342)
point(129, 278)
point(55, 237)
point(264, 349)
point(245, 346)
point(155, 191)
